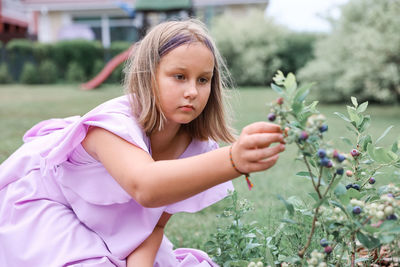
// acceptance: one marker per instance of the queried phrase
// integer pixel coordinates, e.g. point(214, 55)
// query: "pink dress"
point(60, 207)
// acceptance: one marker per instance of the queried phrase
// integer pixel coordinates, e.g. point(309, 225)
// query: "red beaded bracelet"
point(247, 175)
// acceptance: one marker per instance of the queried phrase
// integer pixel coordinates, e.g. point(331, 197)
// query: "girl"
point(97, 190)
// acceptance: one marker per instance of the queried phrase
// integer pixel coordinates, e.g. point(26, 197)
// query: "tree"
point(361, 57)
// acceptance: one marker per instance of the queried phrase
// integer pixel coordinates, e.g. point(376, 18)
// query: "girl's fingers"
point(264, 153)
point(259, 140)
point(263, 165)
point(262, 127)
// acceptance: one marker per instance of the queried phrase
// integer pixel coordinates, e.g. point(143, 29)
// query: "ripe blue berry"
point(324, 242)
point(349, 186)
point(303, 136)
point(357, 210)
point(271, 116)
point(390, 195)
point(391, 217)
point(355, 153)
point(371, 180)
point(321, 153)
point(340, 171)
point(340, 157)
point(326, 162)
point(323, 128)
point(328, 249)
point(356, 187)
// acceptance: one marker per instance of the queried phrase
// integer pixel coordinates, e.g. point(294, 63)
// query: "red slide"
point(106, 71)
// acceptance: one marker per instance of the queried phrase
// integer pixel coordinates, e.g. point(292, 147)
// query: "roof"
point(162, 5)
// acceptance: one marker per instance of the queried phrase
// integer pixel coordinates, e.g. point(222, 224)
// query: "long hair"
point(141, 86)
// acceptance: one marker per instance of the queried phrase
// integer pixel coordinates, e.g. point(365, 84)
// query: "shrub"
point(48, 72)
point(361, 56)
point(83, 53)
point(346, 219)
point(75, 73)
point(5, 76)
point(29, 74)
point(250, 46)
point(118, 47)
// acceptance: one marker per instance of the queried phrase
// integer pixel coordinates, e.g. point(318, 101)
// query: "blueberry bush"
point(349, 220)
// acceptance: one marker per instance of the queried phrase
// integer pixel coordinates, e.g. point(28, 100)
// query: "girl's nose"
point(191, 91)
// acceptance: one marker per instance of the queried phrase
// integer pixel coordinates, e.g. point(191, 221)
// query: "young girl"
point(98, 190)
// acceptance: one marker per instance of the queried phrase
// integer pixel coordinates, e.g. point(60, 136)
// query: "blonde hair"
point(141, 86)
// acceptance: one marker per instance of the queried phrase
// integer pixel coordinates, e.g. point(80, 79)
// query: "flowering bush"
point(349, 221)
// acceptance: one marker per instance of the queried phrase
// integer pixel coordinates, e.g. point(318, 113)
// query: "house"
point(119, 20)
point(13, 21)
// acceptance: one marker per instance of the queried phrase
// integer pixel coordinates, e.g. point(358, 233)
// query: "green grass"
point(23, 106)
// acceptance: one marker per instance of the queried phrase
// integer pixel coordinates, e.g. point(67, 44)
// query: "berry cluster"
point(317, 259)
point(331, 159)
point(253, 264)
point(332, 214)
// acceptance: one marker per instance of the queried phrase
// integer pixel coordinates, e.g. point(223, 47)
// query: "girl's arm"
point(158, 183)
point(145, 254)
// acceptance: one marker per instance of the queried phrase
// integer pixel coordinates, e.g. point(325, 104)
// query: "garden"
point(333, 198)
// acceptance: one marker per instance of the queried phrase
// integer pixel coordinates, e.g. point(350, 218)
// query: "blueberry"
point(340, 171)
point(303, 136)
point(356, 187)
point(391, 217)
point(349, 186)
point(271, 116)
point(340, 157)
point(390, 195)
point(328, 249)
point(355, 153)
point(326, 162)
point(371, 180)
point(321, 153)
point(357, 210)
point(324, 242)
point(323, 128)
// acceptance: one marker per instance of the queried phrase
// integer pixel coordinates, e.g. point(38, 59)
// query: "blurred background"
point(349, 47)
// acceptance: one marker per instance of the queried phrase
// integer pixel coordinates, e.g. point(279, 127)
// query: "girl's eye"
point(203, 80)
point(179, 77)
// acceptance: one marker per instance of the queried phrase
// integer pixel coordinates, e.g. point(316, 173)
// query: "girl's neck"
point(169, 143)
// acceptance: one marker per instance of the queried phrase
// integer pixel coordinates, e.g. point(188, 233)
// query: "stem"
point(353, 251)
point(312, 177)
point(303, 251)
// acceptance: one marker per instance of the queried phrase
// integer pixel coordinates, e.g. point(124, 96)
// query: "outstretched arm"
point(145, 254)
point(157, 183)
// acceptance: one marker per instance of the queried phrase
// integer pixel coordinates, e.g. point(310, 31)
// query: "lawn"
point(23, 106)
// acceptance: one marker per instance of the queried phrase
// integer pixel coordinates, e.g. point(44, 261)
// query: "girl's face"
point(184, 80)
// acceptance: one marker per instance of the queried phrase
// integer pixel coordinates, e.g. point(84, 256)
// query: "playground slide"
point(106, 71)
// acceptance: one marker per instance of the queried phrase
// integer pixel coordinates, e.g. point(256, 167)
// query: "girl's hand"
point(253, 152)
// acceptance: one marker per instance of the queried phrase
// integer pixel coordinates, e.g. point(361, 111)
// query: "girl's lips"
point(187, 108)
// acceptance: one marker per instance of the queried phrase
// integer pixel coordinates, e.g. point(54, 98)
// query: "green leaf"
point(361, 108)
point(302, 92)
point(288, 206)
point(382, 156)
point(314, 195)
point(343, 117)
point(354, 101)
point(384, 133)
point(365, 141)
point(386, 239)
point(354, 117)
point(365, 123)
point(277, 89)
point(352, 193)
point(340, 190)
point(290, 83)
point(395, 147)
point(369, 242)
point(297, 107)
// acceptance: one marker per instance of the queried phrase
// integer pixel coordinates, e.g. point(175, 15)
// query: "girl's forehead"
point(180, 39)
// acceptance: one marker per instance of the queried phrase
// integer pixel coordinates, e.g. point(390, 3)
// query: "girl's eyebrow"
point(184, 69)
